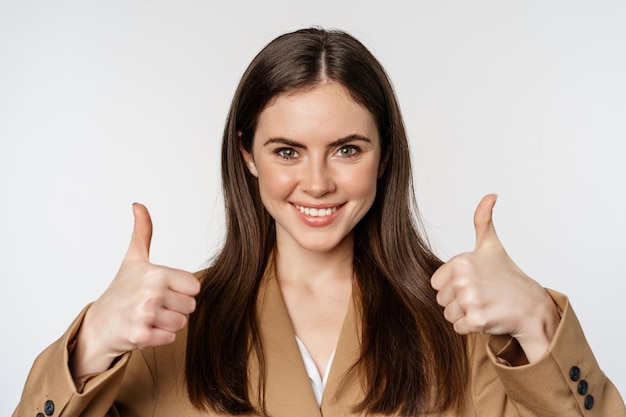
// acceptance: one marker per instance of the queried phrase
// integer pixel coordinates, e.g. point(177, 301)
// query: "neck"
point(298, 266)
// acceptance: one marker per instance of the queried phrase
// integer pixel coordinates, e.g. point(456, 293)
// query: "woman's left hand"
point(485, 292)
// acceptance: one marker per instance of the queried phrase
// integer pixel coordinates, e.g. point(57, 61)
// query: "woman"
point(325, 299)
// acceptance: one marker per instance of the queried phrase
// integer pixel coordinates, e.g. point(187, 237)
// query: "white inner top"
point(317, 381)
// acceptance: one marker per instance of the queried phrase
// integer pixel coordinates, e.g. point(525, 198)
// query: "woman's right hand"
point(144, 306)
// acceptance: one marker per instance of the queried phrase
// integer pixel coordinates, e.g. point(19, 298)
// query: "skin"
point(317, 149)
point(483, 291)
point(145, 305)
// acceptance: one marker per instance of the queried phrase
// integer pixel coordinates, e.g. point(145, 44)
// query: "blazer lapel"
point(288, 390)
point(343, 391)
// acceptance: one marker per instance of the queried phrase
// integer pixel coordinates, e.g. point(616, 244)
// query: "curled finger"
point(169, 320)
point(454, 312)
point(179, 303)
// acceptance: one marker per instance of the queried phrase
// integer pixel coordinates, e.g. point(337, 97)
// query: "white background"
point(106, 103)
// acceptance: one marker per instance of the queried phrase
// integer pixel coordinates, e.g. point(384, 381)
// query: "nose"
point(317, 180)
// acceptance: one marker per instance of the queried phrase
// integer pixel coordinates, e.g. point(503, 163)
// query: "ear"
point(247, 156)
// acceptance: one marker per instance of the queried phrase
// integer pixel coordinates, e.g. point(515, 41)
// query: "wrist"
point(540, 329)
point(89, 355)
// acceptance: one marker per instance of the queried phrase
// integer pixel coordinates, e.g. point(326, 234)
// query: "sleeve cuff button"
point(48, 408)
point(574, 373)
point(583, 387)
point(589, 402)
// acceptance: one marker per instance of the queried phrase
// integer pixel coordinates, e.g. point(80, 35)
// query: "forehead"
point(325, 111)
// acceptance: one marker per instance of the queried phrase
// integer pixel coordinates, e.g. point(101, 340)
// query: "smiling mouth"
point(316, 212)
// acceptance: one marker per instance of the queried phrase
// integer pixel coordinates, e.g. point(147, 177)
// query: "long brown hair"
point(411, 360)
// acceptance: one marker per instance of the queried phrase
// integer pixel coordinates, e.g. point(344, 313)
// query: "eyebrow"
point(338, 142)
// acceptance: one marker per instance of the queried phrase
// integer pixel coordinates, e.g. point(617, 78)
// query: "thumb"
point(483, 222)
point(139, 248)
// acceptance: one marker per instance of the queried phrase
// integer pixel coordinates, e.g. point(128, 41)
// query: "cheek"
point(362, 182)
point(275, 182)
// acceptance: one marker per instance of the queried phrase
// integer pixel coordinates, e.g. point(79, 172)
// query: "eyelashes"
point(348, 151)
point(344, 151)
point(286, 153)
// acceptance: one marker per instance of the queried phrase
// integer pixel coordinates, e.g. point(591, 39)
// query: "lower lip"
point(318, 221)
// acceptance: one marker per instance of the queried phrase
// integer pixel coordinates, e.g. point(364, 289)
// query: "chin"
point(321, 248)
point(323, 245)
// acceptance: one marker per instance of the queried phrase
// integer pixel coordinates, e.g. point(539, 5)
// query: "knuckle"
point(145, 313)
point(465, 297)
point(476, 321)
point(468, 294)
point(139, 337)
point(155, 276)
point(463, 285)
point(153, 296)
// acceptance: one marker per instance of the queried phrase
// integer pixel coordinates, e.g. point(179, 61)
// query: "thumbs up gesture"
point(485, 292)
point(145, 305)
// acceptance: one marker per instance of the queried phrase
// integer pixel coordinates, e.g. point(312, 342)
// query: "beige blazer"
point(150, 382)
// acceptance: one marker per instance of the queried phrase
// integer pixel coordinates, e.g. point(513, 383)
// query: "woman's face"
point(316, 154)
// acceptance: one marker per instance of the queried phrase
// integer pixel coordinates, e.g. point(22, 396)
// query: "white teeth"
point(313, 212)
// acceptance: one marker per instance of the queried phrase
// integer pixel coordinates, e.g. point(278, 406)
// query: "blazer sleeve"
point(566, 381)
point(51, 391)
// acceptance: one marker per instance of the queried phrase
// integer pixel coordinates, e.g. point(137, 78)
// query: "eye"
point(287, 153)
point(348, 151)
